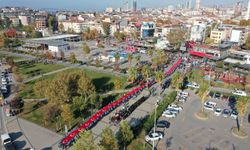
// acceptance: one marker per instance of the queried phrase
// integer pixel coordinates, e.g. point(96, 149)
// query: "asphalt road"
point(186, 132)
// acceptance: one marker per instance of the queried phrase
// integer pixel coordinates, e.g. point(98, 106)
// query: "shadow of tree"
point(102, 85)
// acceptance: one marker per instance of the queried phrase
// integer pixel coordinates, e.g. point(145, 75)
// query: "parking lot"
point(189, 133)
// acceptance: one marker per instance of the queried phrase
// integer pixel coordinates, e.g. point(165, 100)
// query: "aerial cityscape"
point(125, 75)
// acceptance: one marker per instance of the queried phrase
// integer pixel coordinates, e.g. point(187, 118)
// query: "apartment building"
point(218, 35)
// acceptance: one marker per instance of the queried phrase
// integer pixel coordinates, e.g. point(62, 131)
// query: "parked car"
point(183, 93)
point(4, 82)
point(176, 107)
point(142, 51)
point(232, 101)
point(217, 112)
point(210, 103)
point(239, 92)
point(217, 95)
point(193, 85)
point(174, 111)
point(182, 99)
point(234, 114)
point(162, 124)
point(209, 107)
point(226, 113)
point(168, 114)
point(154, 136)
point(211, 94)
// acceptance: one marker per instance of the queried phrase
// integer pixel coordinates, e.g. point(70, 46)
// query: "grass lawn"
point(30, 70)
point(102, 81)
point(33, 111)
point(15, 58)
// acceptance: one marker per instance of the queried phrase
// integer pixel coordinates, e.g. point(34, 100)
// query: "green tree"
point(146, 71)
point(159, 76)
point(202, 93)
point(119, 36)
point(106, 28)
point(242, 106)
point(138, 59)
point(73, 58)
point(67, 114)
point(40, 87)
point(85, 142)
point(51, 22)
point(117, 84)
point(86, 48)
point(132, 74)
point(51, 112)
point(209, 41)
point(125, 134)
point(175, 78)
point(150, 53)
point(130, 58)
point(108, 140)
point(117, 59)
point(36, 34)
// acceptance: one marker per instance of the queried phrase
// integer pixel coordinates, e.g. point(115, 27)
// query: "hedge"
point(149, 123)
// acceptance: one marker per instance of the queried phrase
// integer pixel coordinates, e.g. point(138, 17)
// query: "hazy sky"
point(98, 5)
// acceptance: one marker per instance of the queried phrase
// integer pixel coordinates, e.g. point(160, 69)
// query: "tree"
point(106, 28)
point(132, 74)
point(130, 58)
point(203, 92)
point(51, 112)
point(175, 37)
point(119, 36)
point(242, 106)
point(117, 58)
point(61, 27)
point(209, 41)
point(51, 22)
point(86, 48)
point(36, 34)
point(10, 61)
point(175, 79)
point(138, 59)
point(16, 103)
point(247, 43)
point(73, 58)
point(85, 142)
point(125, 134)
point(247, 84)
point(117, 84)
point(146, 71)
point(150, 53)
point(90, 34)
point(67, 114)
point(159, 76)
point(108, 140)
point(244, 23)
point(40, 88)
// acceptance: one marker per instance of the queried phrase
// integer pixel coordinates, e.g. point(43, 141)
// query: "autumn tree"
point(85, 142)
point(119, 36)
point(85, 48)
point(40, 88)
point(51, 112)
point(51, 22)
point(72, 58)
point(67, 114)
point(90, 34)
point(175, 37)
point(125, 134)
point(117, 84)
point(106, 28)
point(247, 43)
point(247, 84)
point(108, 140)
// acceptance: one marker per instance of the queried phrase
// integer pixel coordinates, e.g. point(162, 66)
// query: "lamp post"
point(156, 104)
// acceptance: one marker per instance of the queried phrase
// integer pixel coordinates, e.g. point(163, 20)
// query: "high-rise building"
point(190, 4)
point(134, 5)
point(248, 11)
point(197, 4)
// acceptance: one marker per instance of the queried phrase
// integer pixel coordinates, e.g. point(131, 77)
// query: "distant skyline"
point(100, 5)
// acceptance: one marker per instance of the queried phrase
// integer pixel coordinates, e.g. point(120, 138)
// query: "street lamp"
point(156, 104)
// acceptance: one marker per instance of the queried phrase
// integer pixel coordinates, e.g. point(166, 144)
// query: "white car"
point(168, 114)
point(154, 136)
point(234, 114)
point(4, 82)
point(217, 112)
point(195, 85)
point(3, 79)
point(239, 92)
point(173, 106)
point(171, 111)
point(142, 51)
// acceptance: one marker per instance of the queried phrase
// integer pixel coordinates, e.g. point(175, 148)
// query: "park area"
point(35, 110)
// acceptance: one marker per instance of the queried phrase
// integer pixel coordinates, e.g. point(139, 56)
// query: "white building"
point(79, 27)
point(242, 57)
point(198, 31)
point(25, 20)
point(239, 35)
point(57, 47)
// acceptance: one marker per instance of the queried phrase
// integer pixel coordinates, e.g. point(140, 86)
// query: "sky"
point(99, 5)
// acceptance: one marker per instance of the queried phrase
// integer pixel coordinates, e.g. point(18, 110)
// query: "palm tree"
point(155, 63)
point(242, 105)
point(138, 59)
point(132, 73)
point(146, 71)
point(203, 91)
point(130, 58)
point(159, 76)
point(117, 58)
point(150, 53)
